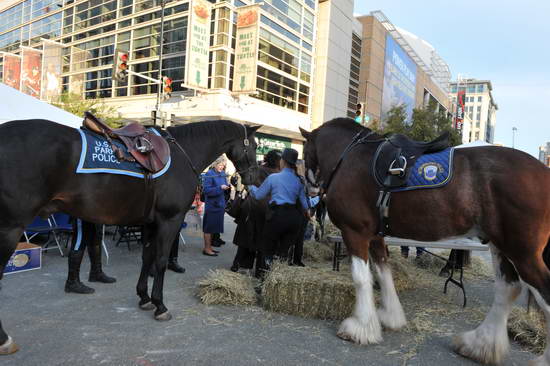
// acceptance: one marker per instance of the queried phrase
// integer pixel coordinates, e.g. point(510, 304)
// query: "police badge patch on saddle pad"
point(430, 171)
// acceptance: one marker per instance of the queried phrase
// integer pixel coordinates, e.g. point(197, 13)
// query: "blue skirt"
point(212, 222)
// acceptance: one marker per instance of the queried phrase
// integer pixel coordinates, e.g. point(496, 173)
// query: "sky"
point(507, 42)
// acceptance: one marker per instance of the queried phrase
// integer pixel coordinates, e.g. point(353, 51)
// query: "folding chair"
point(41, 226)
point(62, 224)
point(183, 226)
point(129, 234)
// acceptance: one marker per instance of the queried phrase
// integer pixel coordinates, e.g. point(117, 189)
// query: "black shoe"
point(234, 267)
point(216, 244)
point(208, 254)
point(174, 266)
point(220, 241)
point(299, 264)
point(101, 277)
point(405, 254)
point(78, 287)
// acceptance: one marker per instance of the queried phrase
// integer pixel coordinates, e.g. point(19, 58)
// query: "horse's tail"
point(546, 259)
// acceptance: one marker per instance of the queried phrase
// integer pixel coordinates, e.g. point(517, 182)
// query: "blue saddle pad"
point(98, 157)
point(430, 171)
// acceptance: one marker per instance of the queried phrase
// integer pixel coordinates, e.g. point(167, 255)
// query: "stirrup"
point(398, 171)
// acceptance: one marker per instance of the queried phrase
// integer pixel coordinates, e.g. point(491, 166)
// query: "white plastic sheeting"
point(15, 105)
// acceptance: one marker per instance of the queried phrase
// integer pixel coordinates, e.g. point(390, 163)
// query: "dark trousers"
point(87, 235)
point(299, 246)
point(281, 230)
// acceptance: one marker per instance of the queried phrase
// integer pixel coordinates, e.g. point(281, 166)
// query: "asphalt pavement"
point(107, 328)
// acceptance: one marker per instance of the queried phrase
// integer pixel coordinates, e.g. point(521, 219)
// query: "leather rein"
point(356, 140)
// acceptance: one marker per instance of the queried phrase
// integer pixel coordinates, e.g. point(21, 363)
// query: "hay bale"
point(528, 329)
point(224, 287)
point(308, 292)
point(317, 252)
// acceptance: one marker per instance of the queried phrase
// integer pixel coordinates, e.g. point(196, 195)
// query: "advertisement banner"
point(246, 50)
point(51, 70)
point(198, 44)
point(31, 71)
point(460, 100)
point(399, 80)
point(12, 70)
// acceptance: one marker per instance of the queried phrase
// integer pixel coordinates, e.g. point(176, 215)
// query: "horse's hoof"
point(482, 347)
point(164, 316)
point(9, 347)
point(355, 331)
point(147, 306)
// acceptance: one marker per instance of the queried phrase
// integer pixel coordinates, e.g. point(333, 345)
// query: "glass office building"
point(91, 30)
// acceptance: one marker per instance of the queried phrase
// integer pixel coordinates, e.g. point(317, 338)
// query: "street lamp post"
point(514, 137)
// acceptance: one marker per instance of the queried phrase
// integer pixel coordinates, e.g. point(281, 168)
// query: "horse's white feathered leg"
point(489, 343)
point(391, 313)
point(363, 326)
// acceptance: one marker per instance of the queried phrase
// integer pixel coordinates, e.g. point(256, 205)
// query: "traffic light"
point(120, 66)
point(166, 87)
point(360, 113)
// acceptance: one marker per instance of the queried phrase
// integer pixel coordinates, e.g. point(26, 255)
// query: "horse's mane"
point(345, 123)
point(219, 128)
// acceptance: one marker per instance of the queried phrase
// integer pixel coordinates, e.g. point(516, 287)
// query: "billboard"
point(198, 44)
point(460, 99)
point(246, 49)
point(399, 85)
point(31, 71)
point(51, 70)
point(12, 70)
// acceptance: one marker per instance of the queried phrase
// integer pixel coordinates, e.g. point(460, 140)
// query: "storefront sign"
point(12, 71)
point(31, 71)
point(246, 50)
point(198, 44)
point(459, 119)
point(270, 142)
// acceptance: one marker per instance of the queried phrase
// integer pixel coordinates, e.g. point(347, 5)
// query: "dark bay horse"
point(38, 161)
point(498, 194)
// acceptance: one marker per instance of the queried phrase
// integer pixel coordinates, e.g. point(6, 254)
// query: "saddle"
point(146, 148)
point(395, 157)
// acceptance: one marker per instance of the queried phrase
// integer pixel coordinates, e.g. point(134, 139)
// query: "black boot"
point(234, 266)
point(96, 272)
point(173, 265)
point(73, 283)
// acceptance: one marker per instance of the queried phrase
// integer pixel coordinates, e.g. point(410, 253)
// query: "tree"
point(77, 105)
point(427, 124)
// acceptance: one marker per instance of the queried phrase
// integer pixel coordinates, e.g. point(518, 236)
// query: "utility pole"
point(159, 90)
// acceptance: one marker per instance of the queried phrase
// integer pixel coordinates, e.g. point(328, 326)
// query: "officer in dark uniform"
point(287, 205)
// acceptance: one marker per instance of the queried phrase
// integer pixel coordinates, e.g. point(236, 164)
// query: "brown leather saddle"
point(146, 148)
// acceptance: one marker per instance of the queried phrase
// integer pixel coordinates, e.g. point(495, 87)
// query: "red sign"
point(31, 72)
point(460, 101)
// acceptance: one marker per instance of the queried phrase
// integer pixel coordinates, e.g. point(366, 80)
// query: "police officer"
point(287, 205)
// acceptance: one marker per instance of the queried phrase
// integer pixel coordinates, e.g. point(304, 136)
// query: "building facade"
point(544, 154)
point(336, 81)
point(480, 108)
point(91, 30)
point(397, 68)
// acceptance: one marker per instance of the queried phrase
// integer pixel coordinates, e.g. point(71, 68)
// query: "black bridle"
point(356, 140)
point(246, 144)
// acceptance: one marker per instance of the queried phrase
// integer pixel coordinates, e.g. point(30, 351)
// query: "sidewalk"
point(107, 328)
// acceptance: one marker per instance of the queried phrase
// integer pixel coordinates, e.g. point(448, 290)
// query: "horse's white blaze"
point(543, 360)
point(391, 314)
point(363, 326)
point(489, 342)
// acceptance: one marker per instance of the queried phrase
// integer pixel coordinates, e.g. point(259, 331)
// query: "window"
point(471, 89)
point(479, 99)
point(480, 88)
point(477, 135)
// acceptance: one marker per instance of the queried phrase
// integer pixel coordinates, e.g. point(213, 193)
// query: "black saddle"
point(395, 157)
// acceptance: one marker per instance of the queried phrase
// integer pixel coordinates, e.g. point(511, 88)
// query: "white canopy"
point(15, 105)
point(473, 144)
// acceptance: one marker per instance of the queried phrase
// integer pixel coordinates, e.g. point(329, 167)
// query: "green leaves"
point(77, 105)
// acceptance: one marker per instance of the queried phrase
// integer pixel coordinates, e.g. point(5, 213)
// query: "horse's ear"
point(304, 133)
point(251, 129)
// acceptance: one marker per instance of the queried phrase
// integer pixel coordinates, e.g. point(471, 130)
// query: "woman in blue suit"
point(214, 186)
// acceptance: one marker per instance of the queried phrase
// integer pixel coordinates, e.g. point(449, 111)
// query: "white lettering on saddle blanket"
point(104, 153)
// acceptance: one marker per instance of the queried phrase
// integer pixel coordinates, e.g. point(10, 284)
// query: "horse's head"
point(242, 152)
point(312, 164)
